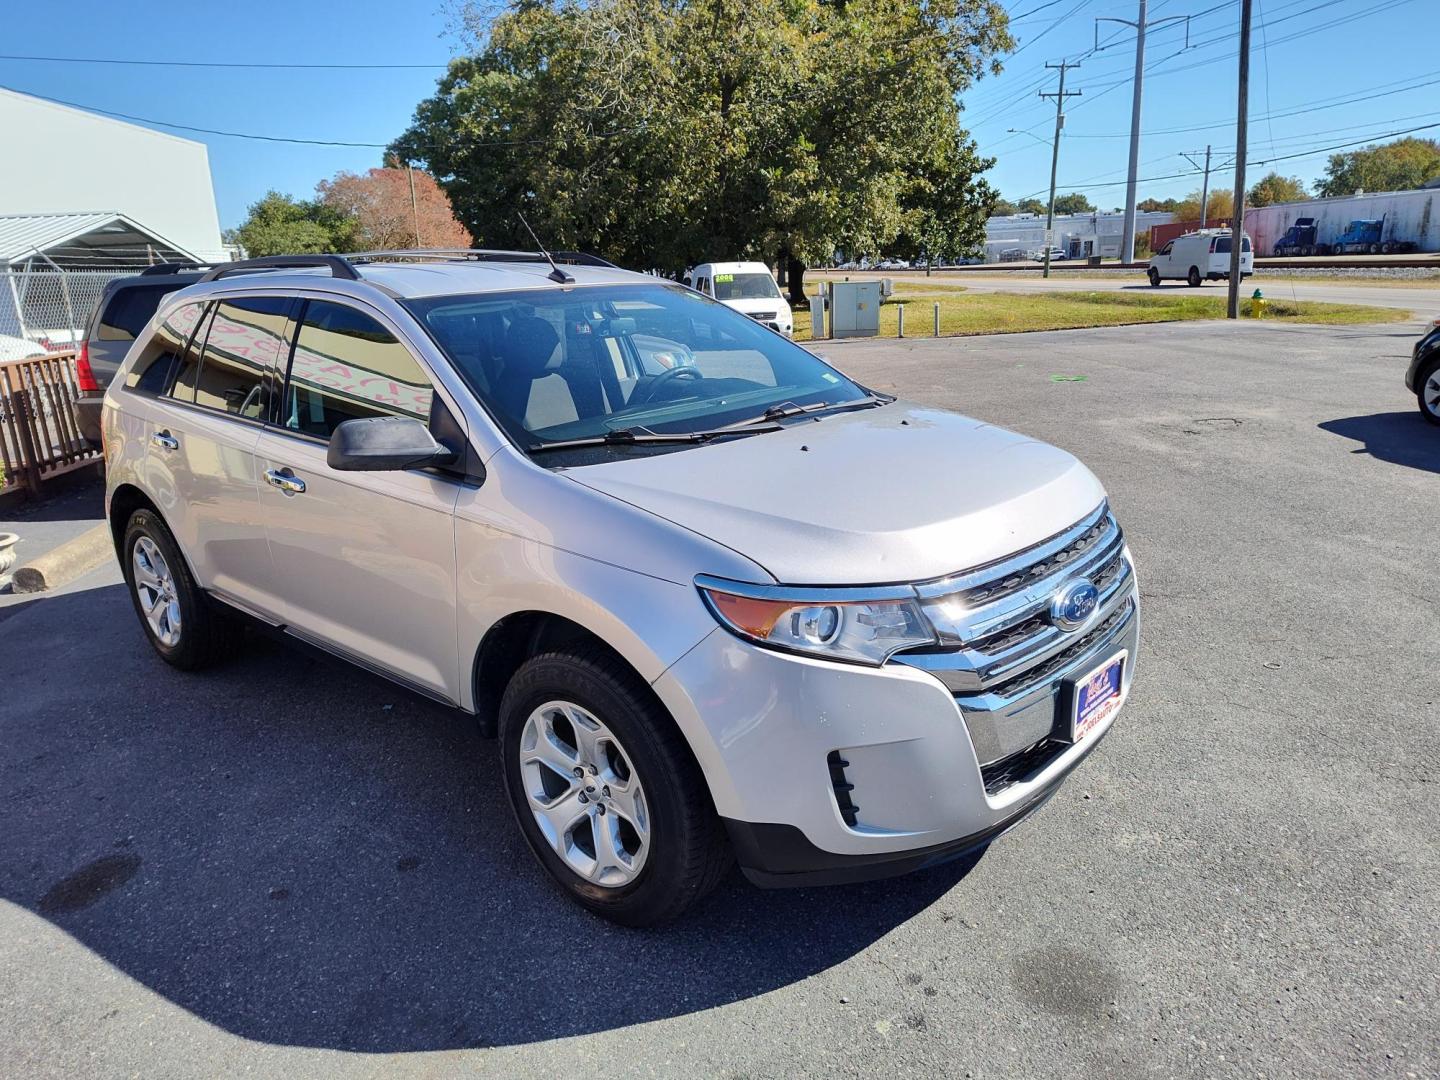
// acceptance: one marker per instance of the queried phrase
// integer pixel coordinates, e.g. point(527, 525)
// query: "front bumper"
point(768, 727)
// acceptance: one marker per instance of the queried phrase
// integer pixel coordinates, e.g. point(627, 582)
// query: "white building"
point(81, 164)
point(1080, 235)
point(1409, 216)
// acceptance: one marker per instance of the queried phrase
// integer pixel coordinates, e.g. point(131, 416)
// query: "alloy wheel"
point(1430, 393)
point(584, 794)
point(155, 587)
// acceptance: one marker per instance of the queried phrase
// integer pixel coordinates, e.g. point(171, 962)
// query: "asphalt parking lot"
point(287, 868)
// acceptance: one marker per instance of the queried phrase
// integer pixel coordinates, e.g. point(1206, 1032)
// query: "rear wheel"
point(182, 623)
point(605, 791)
point(1194, 277)
point(1428, 393)
point(1154, 276)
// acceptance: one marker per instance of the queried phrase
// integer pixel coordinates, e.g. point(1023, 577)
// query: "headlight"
point(866, 631)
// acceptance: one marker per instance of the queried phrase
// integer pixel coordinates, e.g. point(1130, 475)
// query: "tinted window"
point(748, 287)
point(243, 344)
point(187, 367)
point(555, 365)
point(347, 365)
point(129, 310)
point(151, 369)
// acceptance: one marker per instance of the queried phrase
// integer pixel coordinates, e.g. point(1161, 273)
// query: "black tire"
point(688, 851)
point(1424, 395)
point(1154, 276)
point(1194, 278)
point(207, 634)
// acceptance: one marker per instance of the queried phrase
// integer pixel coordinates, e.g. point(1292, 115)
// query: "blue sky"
point(1379, 50)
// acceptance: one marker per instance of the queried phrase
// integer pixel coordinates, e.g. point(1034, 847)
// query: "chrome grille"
point(995, 624)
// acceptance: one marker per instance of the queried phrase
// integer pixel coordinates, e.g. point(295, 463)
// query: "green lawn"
point(964, 312)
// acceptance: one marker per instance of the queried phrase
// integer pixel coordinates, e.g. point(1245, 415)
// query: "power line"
point(222, 64)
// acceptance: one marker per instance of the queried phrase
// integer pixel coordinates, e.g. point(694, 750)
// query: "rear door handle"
point(285, 480)
point(165, 441)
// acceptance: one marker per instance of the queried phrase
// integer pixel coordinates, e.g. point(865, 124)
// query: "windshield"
point(557, 365)
point(746, 287)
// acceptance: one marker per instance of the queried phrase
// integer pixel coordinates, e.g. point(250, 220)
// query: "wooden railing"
point(39, 433)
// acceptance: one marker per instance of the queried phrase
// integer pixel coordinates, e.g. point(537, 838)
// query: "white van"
point(1199, 256)
point(749, 288)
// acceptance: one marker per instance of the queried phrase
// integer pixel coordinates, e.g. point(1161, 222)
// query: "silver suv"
point(718, 601)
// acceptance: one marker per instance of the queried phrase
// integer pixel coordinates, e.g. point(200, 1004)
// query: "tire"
point(1373, 249)
point(1427, 394)
point(1308, 249)
point(545, 718)
point(1154, 276)
point(190, 632)
point(1194, 278)
point(1387, 248)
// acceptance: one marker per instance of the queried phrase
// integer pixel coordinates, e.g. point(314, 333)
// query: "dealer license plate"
point(1096, 697)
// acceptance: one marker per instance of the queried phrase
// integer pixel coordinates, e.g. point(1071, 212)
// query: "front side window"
point(151, 369)
point(346, 366)
point(579, 363)
point(243, 345)
point(746, 287)
point(1166, 249)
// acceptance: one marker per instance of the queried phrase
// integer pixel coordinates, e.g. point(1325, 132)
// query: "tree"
point(1150, 206)
point(1397, 166)
point(1074, 203)
point(1221, 205)
point(1273, 188)
point(665, 132)
point(379, 205)
point(1002, 208)
point(1030, 206)
point(280, 225)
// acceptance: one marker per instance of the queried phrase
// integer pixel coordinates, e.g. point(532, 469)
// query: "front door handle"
point(165, 441)
point(285, 480)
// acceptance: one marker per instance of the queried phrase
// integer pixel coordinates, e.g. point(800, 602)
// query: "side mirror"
point(384, 444)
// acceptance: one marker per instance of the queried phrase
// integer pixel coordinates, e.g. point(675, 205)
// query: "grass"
point(963, 313)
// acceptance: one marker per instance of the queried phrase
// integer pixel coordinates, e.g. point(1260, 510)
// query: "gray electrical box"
point(854, 309)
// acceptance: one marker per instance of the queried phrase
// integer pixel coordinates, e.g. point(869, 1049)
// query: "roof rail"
point(174, 268)
point(338, 266)
point(576, 258)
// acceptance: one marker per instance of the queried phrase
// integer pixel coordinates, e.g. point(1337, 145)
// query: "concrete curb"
point(66, 562)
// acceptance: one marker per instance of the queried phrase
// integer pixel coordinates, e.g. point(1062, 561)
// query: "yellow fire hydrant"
point(1257, 304)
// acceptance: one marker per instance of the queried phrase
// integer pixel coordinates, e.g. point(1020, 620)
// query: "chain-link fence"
point(50, 307)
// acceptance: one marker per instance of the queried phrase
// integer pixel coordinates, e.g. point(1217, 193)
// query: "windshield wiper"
point(640, 436)
point(785, 410)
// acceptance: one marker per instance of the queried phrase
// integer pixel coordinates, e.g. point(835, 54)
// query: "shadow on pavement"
point(1401, 438)
point(75, 496)
point(304, 855)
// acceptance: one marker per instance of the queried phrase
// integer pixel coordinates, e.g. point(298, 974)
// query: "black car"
point(1423, 378)
point(124, 309)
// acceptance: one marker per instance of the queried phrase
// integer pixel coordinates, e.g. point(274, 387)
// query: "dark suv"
point(1423, 378)
point(124, 309)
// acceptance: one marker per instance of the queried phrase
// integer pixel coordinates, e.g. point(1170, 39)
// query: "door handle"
point(165, 441)
point(285, 480)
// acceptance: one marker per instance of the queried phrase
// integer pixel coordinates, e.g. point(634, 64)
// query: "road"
point(1425, 302)
point(286, 868)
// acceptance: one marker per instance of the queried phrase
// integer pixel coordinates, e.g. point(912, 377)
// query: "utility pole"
point(414, 207)
point(1059, 95)
point(1204, 185)
point(1141, 24)
point(1242, 123)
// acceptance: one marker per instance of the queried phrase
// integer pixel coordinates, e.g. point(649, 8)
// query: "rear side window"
point(243, 346)
point(151, 369)
point(346, 365)
point(187, 364)
point(129, 310)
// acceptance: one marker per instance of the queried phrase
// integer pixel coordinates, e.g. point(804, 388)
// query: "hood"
point(893, 494)
point(775, 304)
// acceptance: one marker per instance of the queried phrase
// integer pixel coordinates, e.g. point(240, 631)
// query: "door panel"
point(365, 560)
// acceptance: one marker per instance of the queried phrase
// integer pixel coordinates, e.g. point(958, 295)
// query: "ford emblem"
point(1074, 603)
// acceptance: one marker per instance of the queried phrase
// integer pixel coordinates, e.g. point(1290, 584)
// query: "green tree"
point(1030, 206)
point(1397, 166)
point(1273, 188)
point(664, 132)
point(1002, 208)
point(280, 225)
point(1150, 206)
point(1074, 203)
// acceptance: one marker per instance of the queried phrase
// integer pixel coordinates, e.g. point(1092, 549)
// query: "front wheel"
point(1194, 277)
point(1154, 276)
point(605, 790)
point(1428, 394)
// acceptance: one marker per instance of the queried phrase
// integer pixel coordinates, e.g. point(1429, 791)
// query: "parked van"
point(749, 288)
point(1200, 256)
